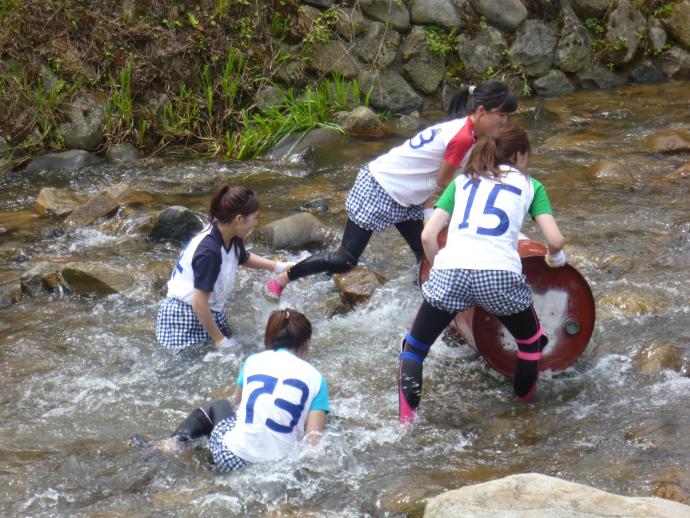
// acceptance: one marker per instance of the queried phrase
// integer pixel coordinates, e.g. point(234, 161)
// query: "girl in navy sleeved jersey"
point(280, 398)
point(194, 309)
point(396, 188)
point(480, 265)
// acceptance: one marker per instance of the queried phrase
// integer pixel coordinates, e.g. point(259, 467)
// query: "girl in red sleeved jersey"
point(395, 189)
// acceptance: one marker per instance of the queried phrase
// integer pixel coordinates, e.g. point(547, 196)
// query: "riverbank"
point(230, 79)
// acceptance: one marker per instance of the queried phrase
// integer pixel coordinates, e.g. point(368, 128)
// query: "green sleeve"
point(447, 199)
point(540, 202)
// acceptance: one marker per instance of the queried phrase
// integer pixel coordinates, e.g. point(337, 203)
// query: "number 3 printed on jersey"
point(489, 208)
point(422, 140)
point(268, 386)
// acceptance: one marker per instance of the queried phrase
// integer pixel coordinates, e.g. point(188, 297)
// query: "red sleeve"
point(459, 145)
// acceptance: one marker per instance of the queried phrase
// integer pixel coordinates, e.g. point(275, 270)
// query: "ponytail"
point(228, 202)
point(492, 95)
point(287, 328)
point(491, 152)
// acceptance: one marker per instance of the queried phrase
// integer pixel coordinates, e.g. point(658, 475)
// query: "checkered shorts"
point(178, 327)
point(224, 459)
point(372, 208)
point(500, 292)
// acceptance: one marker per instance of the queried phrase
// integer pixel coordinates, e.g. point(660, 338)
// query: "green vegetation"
point(440, 41)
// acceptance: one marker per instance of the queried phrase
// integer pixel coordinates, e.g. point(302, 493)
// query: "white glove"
point(226, 343)
point(281, 266)
point(427, 213)
point(556, 260)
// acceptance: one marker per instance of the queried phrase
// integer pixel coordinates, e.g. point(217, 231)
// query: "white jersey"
point(278, 391)
point(206, 264)
point(408, 172)
point(486, 219)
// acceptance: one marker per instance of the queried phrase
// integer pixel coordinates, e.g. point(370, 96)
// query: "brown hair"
point(493, 151)
point(287, 328)
point(229, 202)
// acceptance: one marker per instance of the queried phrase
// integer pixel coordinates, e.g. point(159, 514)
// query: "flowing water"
point(80, 375)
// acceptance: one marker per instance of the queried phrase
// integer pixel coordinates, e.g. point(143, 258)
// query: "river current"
point(80, 375)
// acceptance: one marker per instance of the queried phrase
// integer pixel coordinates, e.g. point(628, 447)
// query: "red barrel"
point(562, 299)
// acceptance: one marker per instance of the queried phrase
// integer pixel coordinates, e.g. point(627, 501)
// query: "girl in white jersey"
point(480, 266)
point(395, 188)
point(199, 287)
point(280, 398)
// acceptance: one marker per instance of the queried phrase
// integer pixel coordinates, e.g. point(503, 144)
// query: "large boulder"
point(125, 152)
point(72, 159)
point(624, 28)
point(335, 56)
point(52, 201)
point(533, 494)
point(675, 62)
point(43, 276)
point(590, 8)
point(349, 23)
point(482, 52)
point(378, 45)
point(434, 12)
point(574, 50)
point(678, 23)
point(506, 14)
point(359, 284)
point(390, 92)
point(387, 11)
point(553, 84)
point(106, 203)
point(361, 122)
point(176, 223)
point(596, 76)
point(607, 174)
point(87, 120)
point(294, 231)
point(423, 67)
point(534, 47)
point(93, 278)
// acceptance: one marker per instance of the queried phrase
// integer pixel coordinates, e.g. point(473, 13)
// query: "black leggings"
point(430, 323)
point(355, 240)
point(200, 422)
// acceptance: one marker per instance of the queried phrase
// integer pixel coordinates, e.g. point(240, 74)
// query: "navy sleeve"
point(206, 266)
point(242, 254)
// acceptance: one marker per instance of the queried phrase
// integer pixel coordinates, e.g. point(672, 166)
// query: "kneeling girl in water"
point(480, 266)
point(202, 280)
point(281, 400)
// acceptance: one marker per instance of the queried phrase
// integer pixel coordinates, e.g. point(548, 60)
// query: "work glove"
point(281, 266)
point(226, 343)
point(556, 260)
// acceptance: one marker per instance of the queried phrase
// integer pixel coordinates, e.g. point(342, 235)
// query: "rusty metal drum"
point(562, 299)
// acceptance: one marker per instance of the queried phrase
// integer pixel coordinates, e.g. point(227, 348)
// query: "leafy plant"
point(440, 41)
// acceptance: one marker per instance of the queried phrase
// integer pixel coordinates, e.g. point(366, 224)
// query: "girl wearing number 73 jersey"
point(280, 399)
point(480, 266)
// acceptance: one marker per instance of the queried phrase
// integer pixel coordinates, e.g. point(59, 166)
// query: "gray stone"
point(423, 67)
point(298, 143)
point(390, 92)
point(378, 45)
point(656, 36)
point(41, 277)
point(350, 23)
point(531, 494)
point(482, 52)
point(574, 51)
point(553, 84)
point(362, 122)
point(533, 48)
point(176, 224)
point(335, 56)
point(408, 125)
point(599, 77)
point(72, 159)
point(590, 8)
point(647, 72)
point(106, 203)
point(675, 62)
point(92, 278)
point(359, 284)
point(623, 28)
point(292, 232)
point(506, 14)
point(387, 11)
point(434, 12)
point(52, 201)
point(303, 24)
point(678, 24)
point(269, 96)
point(125, 152)
point(87, 121)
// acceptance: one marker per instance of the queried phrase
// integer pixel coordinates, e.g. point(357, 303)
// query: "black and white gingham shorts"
point(500, 292)
point(224, 459)
point(372, 208)
point(178, 327)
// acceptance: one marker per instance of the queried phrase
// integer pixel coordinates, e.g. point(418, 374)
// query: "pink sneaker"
point(273, 289)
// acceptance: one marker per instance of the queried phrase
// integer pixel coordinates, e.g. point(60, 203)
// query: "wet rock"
point(656, 357)
point(679, 175)
point(635, 301)
point(177, 224)
point(158, 273)
point(434, 12)
point(41, 277)
point(359, 284)
point(534, 47)
point(106, 203)
point(390, 92)
point(296, 145)
point(574, 50)
point(292, 232)
point(678, 24)
point(423, 67)
point(87, 120)
point(647, 73)
point(625, 24)
point(675, 62)
point(314, 206)
point(669, 141)
point(394, 13)
point(553, 84)
point(597, 76)
point(378, 45)
point(672, 492)
point(407, 125)
point(73, 159)
point(123, 153)
point(91, 278)
point(482, 52)
point(52, 201)
point(335, 56)
point(541, 495)
point(506, 14)
point(361, 122)
point(607, 174)
point(10, 289)
point(617, 265)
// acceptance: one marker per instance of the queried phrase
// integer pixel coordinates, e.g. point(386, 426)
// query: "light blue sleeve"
point(240, 376)
point(320, 402)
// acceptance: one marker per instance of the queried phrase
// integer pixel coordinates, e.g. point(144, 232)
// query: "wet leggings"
point(200, 422)
point(430, 323)
point(355, 240)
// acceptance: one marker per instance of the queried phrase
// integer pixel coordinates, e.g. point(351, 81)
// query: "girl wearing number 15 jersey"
point(480, 265)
